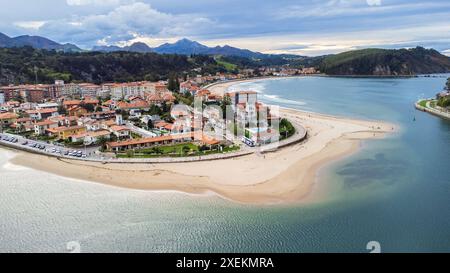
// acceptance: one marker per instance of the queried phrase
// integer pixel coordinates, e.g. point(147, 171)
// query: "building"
point(248, 97)
point(120, 132)
point(8, 118)
point(40, 114)
point(136, 104)
point(23, 125)
point(71, 90)
point(161, 140)
point(34, 94)
point(40, 128)
point(91, 137)
point(89, 90)
point(65, 132)
point(261, 136)
point(103, 115)
point(76, 111)
point(47, 105)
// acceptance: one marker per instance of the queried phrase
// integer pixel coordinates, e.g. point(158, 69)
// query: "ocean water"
point(395, 191)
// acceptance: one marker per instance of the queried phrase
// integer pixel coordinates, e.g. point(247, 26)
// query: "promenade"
point(431, 110)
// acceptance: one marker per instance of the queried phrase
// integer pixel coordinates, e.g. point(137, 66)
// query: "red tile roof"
point(205, 139)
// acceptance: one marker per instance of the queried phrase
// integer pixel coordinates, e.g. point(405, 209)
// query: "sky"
point(310, 28)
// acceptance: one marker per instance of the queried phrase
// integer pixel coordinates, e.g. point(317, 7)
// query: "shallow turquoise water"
point(395, 191)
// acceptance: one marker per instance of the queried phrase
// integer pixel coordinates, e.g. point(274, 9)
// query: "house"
point(261, 136)
point(8, 118)
point(91, 137)
point(203, 94)
point(71, 103)
point(65, 120)
point(136, 105)
point(40, 114)
point(155, 99)
point(105, 124)
point(146, 118)
point(102, 115)
point(40, 128)
point(23, 125)
point(163, 126)
point(76, 111)
point(161, 140)
point(66, 132)
point(120, 132)
point(47, 105)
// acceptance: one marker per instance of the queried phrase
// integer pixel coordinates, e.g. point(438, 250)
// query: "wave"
point(275, 98)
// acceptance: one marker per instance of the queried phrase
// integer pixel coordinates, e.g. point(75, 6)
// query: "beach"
point(287, 175)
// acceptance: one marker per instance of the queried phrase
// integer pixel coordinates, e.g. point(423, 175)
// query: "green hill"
point(17, 66)
point(386, 62)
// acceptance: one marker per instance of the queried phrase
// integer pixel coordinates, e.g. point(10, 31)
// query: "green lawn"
point(178, 150)
point(423, 103)
point(228, 66)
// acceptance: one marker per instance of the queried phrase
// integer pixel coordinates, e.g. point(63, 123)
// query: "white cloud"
point(373, 2)
point(125, 23)
point(94, 2)
point(351, 8)
point(33, 25)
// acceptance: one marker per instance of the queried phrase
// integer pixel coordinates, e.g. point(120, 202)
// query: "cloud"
point(373, 2)
point(125, 23)
point(94, 2)
point(33, 25)
point(338, 8)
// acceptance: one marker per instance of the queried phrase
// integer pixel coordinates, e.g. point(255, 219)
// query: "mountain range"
point(37, 42)
point(189, 47)
point(181, 47)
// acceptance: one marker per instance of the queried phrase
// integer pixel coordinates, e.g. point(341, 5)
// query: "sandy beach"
point(285, 176)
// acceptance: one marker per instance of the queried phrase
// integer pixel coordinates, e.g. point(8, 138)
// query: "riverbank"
point(284, 176)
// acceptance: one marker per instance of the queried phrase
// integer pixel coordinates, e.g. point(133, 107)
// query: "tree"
point(186, 149)
point(88, 107)
point(155, 110)
point(286, 128)
point(102, 142)
point(447, 85)
point(150, 124)
point(225, 102)
point(62, 110)
point(174, 84)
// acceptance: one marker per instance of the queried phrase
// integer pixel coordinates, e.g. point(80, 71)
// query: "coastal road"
point(90, 152)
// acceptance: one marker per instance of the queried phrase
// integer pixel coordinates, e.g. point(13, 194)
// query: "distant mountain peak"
point(188, 47)
point(135, 47)
point(35, 42)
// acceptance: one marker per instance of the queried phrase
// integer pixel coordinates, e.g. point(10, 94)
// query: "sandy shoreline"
point(284, 176)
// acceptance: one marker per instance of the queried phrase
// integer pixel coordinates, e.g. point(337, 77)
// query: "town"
point(137, 119)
